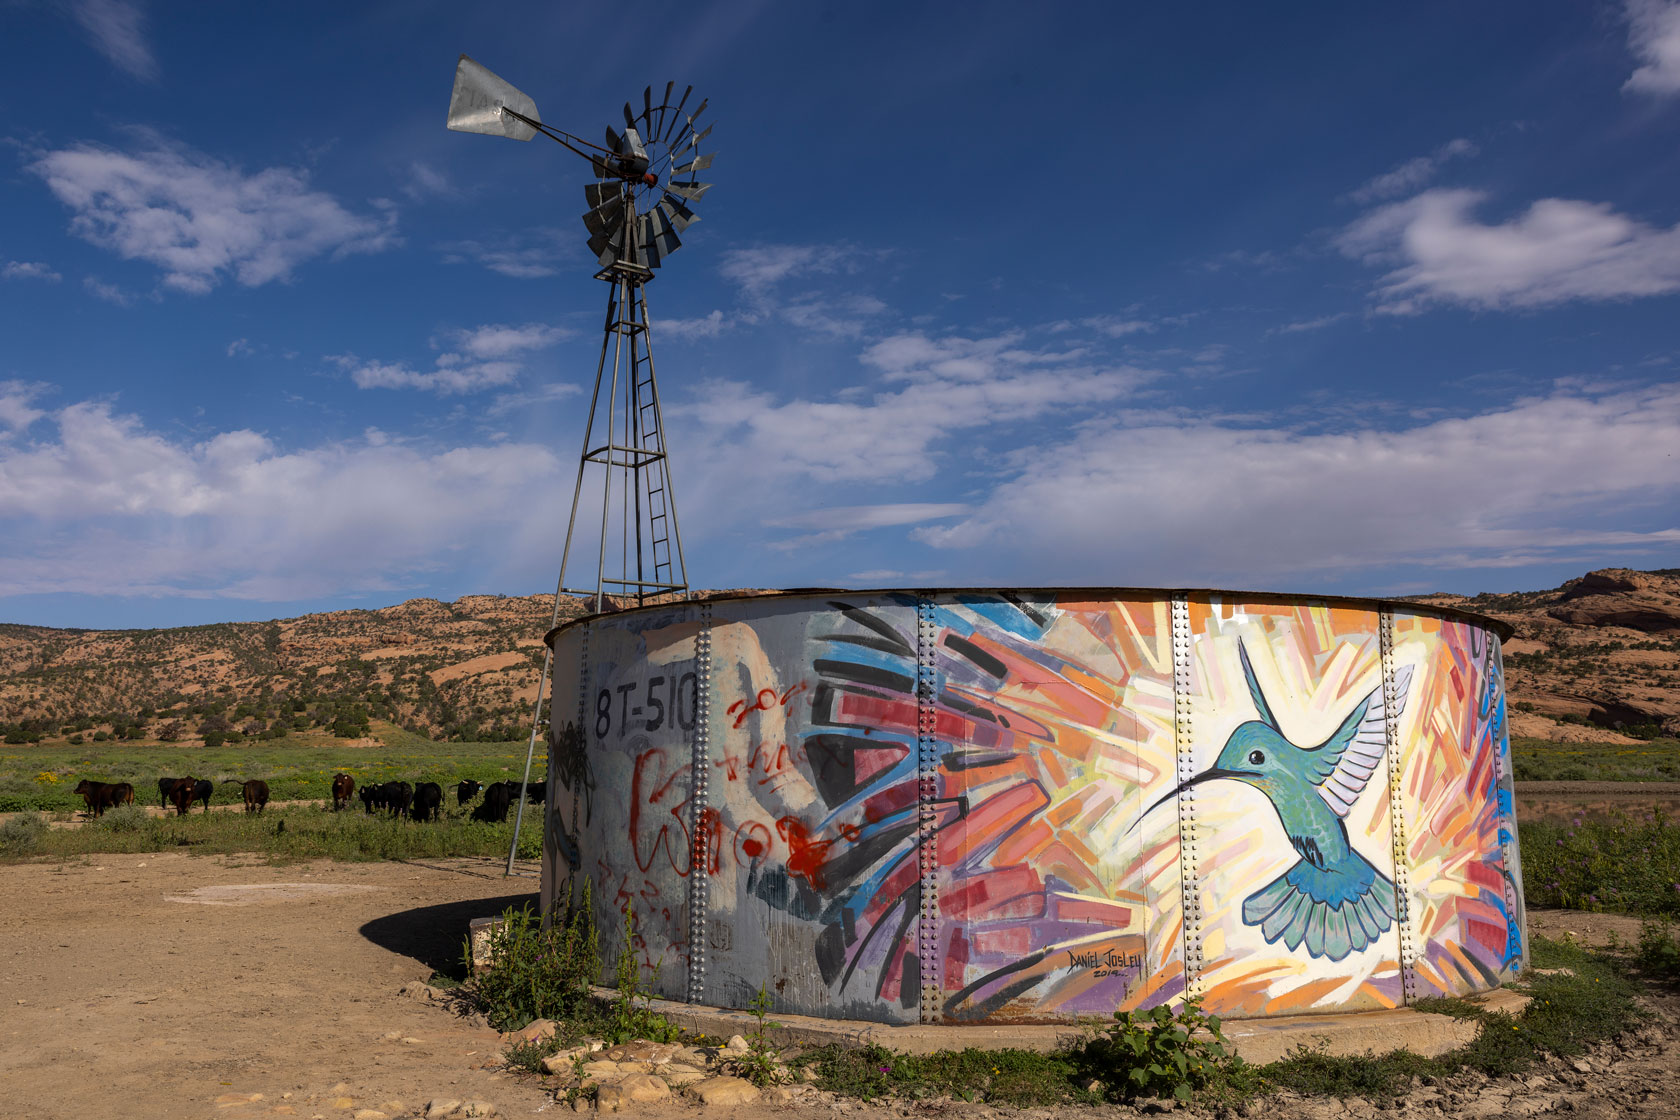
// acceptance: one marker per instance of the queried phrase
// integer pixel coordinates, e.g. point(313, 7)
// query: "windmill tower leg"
point(650, 560)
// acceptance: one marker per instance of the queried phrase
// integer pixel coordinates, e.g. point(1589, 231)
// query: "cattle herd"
point(400, 799)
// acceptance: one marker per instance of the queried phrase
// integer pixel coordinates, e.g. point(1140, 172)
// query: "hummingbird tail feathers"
point(1333, 911)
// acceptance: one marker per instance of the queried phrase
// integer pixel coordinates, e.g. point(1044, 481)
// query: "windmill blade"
point(661, 235)
point(647, 109)
point(689, 190)
point(677, 114)
point(606, 247)
point(688, 126)
point(606, 217)
point(602, 171)
point(613, 140)
point(680, 216)
point(698, 163)
point(629, 117)
point(646, 241)
point(664, 109)
point(597, 193)
point(476, 103)
point(694, 141)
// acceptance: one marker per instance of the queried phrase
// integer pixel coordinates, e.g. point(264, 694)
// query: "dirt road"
point(169, 985)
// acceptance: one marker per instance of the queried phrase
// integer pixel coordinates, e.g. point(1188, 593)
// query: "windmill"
point(646, 177)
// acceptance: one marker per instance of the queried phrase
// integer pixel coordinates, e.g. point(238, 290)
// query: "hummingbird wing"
point(1342, 765)
point(1335, 910)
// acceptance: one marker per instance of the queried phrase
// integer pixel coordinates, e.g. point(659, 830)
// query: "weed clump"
point(538, 973)
point(22, 835)
point(1160, 1053)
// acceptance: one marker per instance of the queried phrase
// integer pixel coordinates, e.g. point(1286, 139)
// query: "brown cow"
point(125, 794)
point(343, 787)
point(180, 793)
point(256, 795)
point(99, 796)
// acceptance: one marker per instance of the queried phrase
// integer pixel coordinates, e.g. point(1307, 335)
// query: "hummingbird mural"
point(1332, 900)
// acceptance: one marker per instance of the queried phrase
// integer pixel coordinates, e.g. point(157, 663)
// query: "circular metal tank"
point(1032, 805)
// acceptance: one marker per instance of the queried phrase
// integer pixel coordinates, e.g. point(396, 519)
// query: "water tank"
point(1028, 805)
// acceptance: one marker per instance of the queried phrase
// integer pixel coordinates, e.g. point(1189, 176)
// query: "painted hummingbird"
point(1332, 900)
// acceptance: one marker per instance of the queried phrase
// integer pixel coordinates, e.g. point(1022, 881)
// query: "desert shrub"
point(124, 818)
point(1161, 1053)
point(22, 835)
point(1658, 951)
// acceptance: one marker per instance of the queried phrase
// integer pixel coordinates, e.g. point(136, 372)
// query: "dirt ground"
point(169, 985)
point(172, 985)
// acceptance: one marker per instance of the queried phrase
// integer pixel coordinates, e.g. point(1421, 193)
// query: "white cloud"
point(531, 255)
point(201, 220)
point(707, 326)
point(1558, 250)
point(1315, 324)
point(425, 181)
point(479, 358)
point(104, 505)
point(835, 523)
point(839, 316)
point(117, 30)
point(110, 293)
point(1654, 38)
point(1412, 174)
point(29, 270)
point(239, 347)
point(762, 267)
point(935, 387)
point(16, 414)
point(1182, 501)
point(1115, 327)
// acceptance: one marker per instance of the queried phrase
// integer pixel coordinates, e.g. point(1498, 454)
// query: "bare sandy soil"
point(172, 985)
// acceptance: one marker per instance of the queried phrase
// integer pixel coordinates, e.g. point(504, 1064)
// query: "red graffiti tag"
point(645, 789)
point(766, 699)
point(806, 857)
point(707, 851)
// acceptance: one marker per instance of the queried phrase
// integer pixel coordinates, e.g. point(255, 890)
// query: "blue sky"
point(1349, 299)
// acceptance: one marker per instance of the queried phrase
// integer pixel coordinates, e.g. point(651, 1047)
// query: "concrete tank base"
point(1259, 1041)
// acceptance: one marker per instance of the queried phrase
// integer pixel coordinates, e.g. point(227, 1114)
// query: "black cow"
point(428, 802)
point(180, 794)
point(164, 786)
point(98, 796)
point(370, 797)
point(256, 795)
point(497, 798)
point(202, 792)
point(536, 791)
point(396, 796)
point(467, 790)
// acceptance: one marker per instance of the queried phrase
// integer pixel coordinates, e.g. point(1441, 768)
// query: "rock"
point(422, 991)
point(601, 1071)
point(640, 1050)
point(537, 1030)
point(678, 1074)
point(562, 1061)
point(736, 1044)
point(779, 1094)
point(342, 1102)
point(640, 1088)
point(370, 1114)
point(459, 1110)
point(724, 1091)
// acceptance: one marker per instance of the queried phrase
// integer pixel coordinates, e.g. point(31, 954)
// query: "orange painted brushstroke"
point(1306, 996)
point(989, 820)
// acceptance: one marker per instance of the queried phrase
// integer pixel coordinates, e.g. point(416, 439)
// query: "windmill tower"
point(645, 179)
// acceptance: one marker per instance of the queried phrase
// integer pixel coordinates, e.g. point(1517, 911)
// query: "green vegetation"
point(1658, 951)
point(1542, 760)
point(537, 973)
point(1568, 1012)
point(297, 832)
point(1618, 863)
point(295, 768)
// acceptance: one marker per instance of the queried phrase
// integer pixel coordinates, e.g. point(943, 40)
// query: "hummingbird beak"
point(1205, 776)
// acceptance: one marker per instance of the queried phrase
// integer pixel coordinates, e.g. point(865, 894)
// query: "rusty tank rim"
point(1504, 630)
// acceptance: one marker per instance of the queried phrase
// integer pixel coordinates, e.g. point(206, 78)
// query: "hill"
point(1600, 654)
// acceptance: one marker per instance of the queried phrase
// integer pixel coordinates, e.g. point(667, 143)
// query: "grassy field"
point(295, 768)
point(1541, 760)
